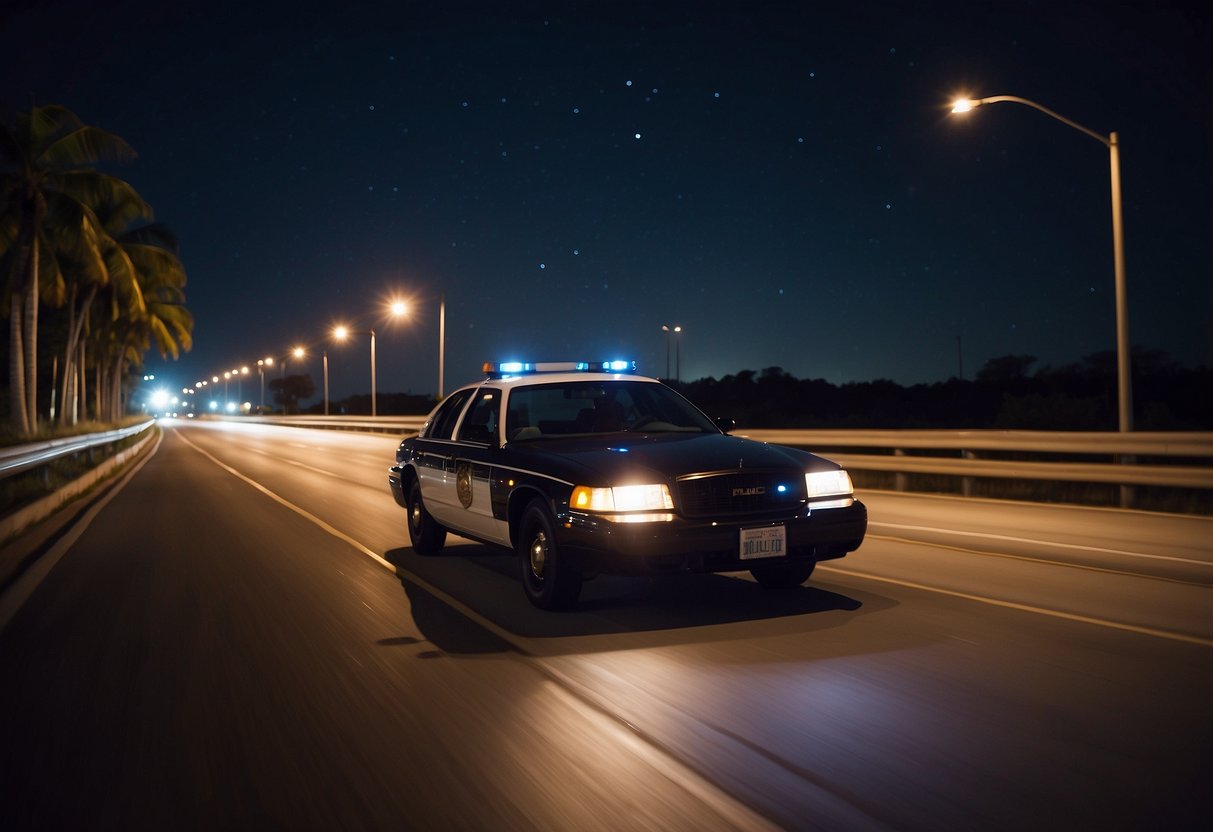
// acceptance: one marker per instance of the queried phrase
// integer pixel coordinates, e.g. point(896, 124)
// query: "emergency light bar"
point(518, 368)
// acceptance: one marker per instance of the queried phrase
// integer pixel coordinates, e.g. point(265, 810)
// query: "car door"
point(435, 459)
point(477, 443)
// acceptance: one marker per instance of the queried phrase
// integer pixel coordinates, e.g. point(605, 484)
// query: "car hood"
point(659, 457)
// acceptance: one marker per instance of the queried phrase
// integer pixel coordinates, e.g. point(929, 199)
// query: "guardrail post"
point(1128, 494)
point(966, 483)
point(899, 479)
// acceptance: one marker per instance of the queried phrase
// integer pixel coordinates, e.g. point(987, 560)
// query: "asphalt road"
point(241, 638)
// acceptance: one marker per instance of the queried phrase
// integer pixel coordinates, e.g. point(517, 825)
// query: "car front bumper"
point(696, 546)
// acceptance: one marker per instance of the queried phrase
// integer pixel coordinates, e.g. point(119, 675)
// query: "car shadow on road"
point(486, 580)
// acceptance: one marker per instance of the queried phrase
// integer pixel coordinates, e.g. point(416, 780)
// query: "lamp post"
point(326, 382)
point(399, 308)
point(441, 341)
point(1123, 358)
point(262, 363)
point(340, 333)
point(676, 330)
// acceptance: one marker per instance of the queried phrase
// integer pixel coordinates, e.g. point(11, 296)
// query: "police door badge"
point(463, 483)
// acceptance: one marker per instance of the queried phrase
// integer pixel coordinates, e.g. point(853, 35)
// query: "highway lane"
point(204, 657)
point(894, 699)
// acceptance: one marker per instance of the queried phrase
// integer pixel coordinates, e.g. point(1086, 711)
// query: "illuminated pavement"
point(224, 650)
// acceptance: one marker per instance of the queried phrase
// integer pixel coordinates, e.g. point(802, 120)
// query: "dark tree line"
point(1006, 394)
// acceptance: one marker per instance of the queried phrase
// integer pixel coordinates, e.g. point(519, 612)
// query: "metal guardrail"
point(18, 458)
point(1120, 449)
point(1120, 468)
point(374, 424)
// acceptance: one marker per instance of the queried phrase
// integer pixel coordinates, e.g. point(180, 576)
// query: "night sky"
point(783, 180)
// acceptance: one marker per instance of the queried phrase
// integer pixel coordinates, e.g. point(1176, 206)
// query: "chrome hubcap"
point(417, 515)
point(539, 554)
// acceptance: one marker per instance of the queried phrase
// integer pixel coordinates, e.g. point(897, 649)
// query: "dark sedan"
point(582, 469)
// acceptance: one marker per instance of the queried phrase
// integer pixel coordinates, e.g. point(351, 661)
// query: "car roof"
point(527, 379)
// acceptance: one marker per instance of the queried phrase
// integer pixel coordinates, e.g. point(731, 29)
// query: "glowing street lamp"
point(399, 308)
point(340, 334)
point(677, 331)
point(1124, 378)
point(262, 363)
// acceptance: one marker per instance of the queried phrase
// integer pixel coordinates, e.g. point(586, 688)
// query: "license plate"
point(766, 542)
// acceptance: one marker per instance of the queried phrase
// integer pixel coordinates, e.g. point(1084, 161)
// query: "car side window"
point(442, 424)
point(480, 423)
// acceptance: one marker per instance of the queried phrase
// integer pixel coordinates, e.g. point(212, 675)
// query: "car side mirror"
point(725, 424)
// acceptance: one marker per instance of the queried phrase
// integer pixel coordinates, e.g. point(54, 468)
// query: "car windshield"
point(598, 407)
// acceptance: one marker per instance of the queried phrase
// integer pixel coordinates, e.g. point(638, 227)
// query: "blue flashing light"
point(515, 368)
point(782, 489)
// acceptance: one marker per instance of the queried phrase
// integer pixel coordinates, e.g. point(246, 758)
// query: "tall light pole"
point(678, 354)
point(676, 330)
point(340, 333)
point(326, 382)
point(1123, 358)
point(441, 341)
point(399, 308)
point(262, 363)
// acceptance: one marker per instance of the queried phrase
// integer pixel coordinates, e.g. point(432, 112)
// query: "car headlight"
point(829, 489)
point(653, 502)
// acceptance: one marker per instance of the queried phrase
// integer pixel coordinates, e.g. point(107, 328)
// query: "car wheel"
point(550, 580)
point(426, 535)
point(782, 575)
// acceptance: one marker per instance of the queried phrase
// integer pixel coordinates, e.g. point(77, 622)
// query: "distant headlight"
point(829, 489)
point(624, 498)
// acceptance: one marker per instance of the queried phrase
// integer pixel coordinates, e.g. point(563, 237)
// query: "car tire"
point(782, 575)
point(426, 535)
point(550, 580)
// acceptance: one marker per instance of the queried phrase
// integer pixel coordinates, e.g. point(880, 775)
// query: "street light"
point(262, 363)
point(677, 331)
point(340, 333)
point(399, 308)
point(1124, 378)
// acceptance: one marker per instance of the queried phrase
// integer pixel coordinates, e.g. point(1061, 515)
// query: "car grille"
point(740, 493)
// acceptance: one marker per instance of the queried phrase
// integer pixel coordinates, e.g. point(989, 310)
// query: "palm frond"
point(85, 146)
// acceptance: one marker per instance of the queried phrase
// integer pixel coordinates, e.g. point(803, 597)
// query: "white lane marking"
point(1068, 616)
point(669, 763)
point(511, 638)
point(1056, 545)
point(296, 463)
point(337, 533)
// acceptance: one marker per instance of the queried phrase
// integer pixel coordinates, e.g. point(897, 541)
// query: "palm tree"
point(149, 248)
point(47, 191)
point(123, 336)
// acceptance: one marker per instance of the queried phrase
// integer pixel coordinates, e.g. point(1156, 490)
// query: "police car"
point(585, 467)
